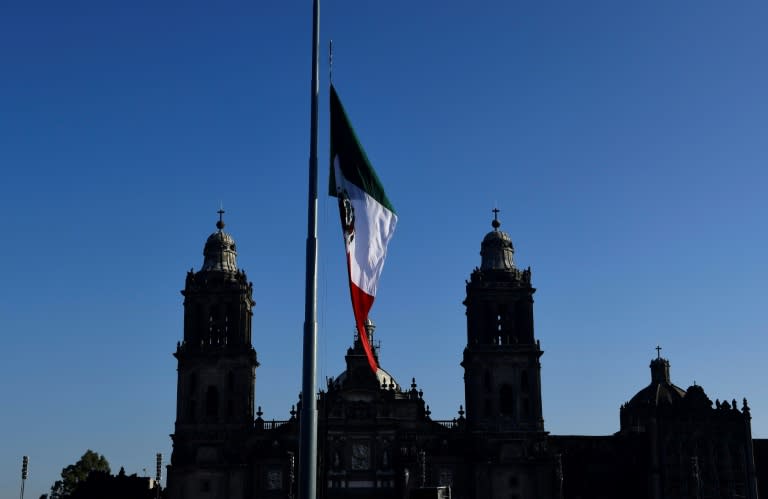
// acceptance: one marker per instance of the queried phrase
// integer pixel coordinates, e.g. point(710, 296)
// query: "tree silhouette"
point(77, 473)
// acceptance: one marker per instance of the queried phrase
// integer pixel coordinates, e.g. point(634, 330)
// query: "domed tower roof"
point(496, 250)
point(220, 254)
point(358, 372)
point(385, 380)
point(661, 391)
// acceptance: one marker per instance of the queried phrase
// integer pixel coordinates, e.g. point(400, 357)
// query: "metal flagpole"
point(308, 428)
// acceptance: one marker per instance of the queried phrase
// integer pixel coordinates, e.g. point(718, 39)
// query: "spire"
point(370, 328)
point(497, 251)
point(220, 252)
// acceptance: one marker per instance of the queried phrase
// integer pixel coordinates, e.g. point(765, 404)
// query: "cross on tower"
point(220, 223)
point(658, 352)
point(495, 222)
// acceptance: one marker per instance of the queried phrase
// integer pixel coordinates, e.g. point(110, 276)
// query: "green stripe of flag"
point(353, 161)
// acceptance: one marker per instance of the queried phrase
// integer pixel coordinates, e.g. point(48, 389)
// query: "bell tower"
point(502, 380)
point(502, 372)
point(216, 375)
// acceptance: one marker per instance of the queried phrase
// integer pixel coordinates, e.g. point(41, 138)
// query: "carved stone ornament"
point(361, 456)
point(274, 480)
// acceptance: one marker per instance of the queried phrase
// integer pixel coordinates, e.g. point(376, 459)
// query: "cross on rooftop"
point(220, 223)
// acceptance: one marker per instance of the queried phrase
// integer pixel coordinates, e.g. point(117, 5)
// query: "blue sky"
point(624, 142)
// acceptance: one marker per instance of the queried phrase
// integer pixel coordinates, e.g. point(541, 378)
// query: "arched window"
point(524, 381)
point(212, 403)
point(487, 380)
point(506, 400)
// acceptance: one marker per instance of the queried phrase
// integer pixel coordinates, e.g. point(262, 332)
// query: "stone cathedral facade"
point(378, 439)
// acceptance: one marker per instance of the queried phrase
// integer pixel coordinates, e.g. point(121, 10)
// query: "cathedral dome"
point(386, 380)
point(657, 394)
point(496, 250)
point(220, 254)
point(661, 391)
point(358, 371)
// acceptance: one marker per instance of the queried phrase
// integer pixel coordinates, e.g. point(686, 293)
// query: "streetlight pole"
point(24, 472)
point(158, 474)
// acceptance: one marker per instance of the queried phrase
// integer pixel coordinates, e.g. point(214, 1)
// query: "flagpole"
point(308, 416)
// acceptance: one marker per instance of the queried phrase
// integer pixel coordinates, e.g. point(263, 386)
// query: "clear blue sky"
point(624, 142)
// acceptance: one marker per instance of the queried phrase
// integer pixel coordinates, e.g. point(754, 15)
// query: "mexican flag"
point(367, 217)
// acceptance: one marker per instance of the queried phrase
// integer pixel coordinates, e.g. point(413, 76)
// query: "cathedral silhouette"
point(377, 438)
